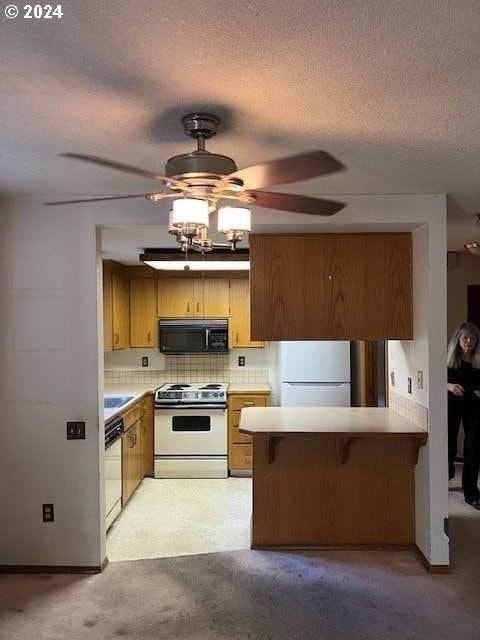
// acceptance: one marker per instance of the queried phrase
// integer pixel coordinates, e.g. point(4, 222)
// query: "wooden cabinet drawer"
point(237, 437)
point(241, 456)
point(239, 402)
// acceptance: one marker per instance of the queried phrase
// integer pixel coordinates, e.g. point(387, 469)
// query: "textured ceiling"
point(391, 89)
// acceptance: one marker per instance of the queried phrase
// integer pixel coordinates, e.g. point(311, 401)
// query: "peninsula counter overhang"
point(360, 422)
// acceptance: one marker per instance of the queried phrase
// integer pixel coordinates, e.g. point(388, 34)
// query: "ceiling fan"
point(210, 178)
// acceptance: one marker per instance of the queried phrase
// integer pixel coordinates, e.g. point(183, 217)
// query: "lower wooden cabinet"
point(239, 444)
point(137, 446)
point(146, 428)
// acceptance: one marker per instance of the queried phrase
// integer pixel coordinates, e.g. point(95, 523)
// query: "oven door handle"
point(198, 407)
point(207, 339)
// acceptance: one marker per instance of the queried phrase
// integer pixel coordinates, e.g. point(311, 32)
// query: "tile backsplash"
point(410, 410)
point(189, 368)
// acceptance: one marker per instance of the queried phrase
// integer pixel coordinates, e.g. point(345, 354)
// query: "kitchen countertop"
point(249, 387)
point(337, 421)
point(135, 390)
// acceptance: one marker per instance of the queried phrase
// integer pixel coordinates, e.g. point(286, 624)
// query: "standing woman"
point(463, 361)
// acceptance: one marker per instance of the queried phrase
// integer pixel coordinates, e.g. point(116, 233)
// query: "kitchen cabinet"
point(120, 312)
point(239, 325)
point(331, 286)
point(107, 307)
point(137, 445)
point(239, 444)
point(146, 428)
point(131, 461)
point(143, 312)
point(193, 298)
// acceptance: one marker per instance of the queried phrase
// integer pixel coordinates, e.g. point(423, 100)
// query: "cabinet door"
point(129, 463)
point(388, 299)
point(107, 308)
point(175, 298)
point(343, 305)
point(239, 325)
point(143, 312)
point(211, 298)
point(120, 312)
point(147, 436)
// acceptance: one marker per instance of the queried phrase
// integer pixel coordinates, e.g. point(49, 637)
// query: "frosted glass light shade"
point(189, 211)
point(233, 219)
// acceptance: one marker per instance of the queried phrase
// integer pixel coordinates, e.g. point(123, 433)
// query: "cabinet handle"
point(198, 306)
point(132, 441)
point(330, 276)
point(116, 338)
point(236, 338)
point(135, 440)
point(188, 307)
point(149, 335)
point(248, 404)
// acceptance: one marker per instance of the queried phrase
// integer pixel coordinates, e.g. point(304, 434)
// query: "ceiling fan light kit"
point(199, 182)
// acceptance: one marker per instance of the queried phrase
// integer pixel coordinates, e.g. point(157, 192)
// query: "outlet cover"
point(409, 385)
point(75, 430)
point(392, 378)
point(144, 361)
point(241, 361)
point(47, 512)
point(420, 379)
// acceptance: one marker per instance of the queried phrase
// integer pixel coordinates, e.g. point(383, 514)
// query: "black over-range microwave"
point(193, 336)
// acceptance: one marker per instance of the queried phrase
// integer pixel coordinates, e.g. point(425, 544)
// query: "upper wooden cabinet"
point(331, 286)
point(107, 307)
point(239, 325)
point(193, 298)
point(120, 312)
point(143, 312)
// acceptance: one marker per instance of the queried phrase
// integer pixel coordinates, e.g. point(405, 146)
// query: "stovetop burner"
point(211, 386)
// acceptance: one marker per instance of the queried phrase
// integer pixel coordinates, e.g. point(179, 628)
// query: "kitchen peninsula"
point(332, 477)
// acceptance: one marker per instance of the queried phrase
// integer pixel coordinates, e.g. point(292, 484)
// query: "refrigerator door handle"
point(317, 384)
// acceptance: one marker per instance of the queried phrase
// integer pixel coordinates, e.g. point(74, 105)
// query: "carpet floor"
point(258, 595)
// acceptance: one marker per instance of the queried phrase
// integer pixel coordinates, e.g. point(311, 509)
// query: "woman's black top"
point(469, 378)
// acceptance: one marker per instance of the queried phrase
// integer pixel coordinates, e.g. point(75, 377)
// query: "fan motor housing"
point(199, 162)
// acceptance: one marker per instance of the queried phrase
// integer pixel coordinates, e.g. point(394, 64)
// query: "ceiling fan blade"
point(144, 173)
point(52, 204)
point(285, 170)
point(297, 204)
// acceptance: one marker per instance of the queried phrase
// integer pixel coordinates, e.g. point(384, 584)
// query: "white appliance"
point(113, 470)
point(191, 431)
point(315, 374)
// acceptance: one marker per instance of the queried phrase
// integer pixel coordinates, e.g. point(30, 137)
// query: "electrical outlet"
point(241, 361)
point(75, 430)
point(392, 378)
point(409, 385)
point(144, 361)
point(47, 511)
point(420, 379)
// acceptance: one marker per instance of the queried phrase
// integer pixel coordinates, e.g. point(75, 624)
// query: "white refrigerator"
point(315, 374)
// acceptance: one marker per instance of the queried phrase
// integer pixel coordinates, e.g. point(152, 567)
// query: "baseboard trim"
point(338, 547)
point(21, 568)
point(431, 568)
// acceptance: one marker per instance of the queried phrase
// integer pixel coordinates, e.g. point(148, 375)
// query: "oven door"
point(191, 432)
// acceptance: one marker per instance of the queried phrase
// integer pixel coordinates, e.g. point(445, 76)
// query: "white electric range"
point(191, 430)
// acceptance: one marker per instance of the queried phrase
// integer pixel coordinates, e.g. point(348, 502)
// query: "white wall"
point(49, 344)
point(426, 353)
